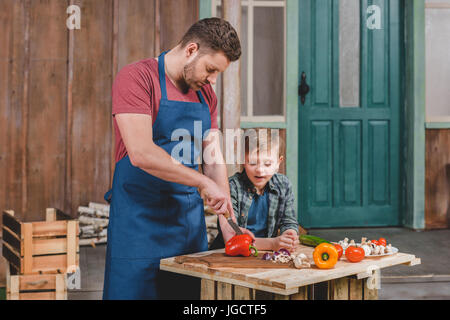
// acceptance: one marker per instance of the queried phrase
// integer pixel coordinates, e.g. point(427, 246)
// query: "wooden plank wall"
point(437, 179)
point(56, 142)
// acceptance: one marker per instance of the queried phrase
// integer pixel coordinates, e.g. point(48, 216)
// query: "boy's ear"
point(280, 160)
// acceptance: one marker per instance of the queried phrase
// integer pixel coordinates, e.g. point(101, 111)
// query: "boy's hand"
point(288, 240)
point(294, 236)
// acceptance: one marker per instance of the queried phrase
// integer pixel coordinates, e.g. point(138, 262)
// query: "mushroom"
point(367, 250)
point(301, 261)
point(376, 250)
point(363, 241)
point(344, 243)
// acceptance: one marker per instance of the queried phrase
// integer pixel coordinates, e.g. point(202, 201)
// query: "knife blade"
point(233, 224)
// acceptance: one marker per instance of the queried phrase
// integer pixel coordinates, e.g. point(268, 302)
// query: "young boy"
point(263, 200)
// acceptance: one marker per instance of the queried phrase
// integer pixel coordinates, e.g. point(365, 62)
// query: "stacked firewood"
point(211, 224)
point(94, 221)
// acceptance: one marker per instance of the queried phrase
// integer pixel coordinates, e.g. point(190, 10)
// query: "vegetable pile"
point(370, 248)
point(284, 256)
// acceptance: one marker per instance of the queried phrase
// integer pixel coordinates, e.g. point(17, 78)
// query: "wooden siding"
point(437, 179)
point(56, 141)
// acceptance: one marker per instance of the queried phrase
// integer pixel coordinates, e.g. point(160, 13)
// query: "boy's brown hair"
point(214, 34)
point(264, 140)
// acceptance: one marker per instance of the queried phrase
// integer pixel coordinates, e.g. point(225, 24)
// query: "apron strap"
point(108, 196)
point(200, 96)
point(162, 80)
point(162, 75)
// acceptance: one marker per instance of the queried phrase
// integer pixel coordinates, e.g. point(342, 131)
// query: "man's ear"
point(191, 49)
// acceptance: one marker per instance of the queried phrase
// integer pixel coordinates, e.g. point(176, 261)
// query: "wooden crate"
point(347, 288)
point(35, 286)
point(43, 247)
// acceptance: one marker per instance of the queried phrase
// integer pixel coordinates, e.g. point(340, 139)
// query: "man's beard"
point(187, 82)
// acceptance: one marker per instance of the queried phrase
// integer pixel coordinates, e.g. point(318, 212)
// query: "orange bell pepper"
point(325, 256)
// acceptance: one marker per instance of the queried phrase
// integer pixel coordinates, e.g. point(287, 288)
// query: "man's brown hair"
point(216, 34)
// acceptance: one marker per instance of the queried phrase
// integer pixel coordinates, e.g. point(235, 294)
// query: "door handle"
point(303, 88)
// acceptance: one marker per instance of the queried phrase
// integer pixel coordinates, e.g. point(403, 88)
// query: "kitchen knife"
point(233, 224)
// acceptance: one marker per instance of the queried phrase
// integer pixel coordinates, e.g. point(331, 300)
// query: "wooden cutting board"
point(221, 260)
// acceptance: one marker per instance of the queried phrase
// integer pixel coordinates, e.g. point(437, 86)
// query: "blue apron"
point(151, 219)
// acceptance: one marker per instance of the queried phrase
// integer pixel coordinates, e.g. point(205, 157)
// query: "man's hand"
point(215, 197)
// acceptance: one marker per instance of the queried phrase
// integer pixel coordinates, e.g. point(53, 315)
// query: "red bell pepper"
point(242, 245)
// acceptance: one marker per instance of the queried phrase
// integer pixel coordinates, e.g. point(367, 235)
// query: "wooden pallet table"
point(346, 281)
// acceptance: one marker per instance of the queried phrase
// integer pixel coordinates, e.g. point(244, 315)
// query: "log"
point(98, 222)
point(99, 206)
point(90, 231)
point(93, 212)
point(211, 222)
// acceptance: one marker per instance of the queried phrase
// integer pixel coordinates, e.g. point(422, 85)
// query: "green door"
point(350, 53)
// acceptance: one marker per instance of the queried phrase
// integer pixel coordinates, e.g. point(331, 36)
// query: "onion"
point(284, 251)
point(267, 256)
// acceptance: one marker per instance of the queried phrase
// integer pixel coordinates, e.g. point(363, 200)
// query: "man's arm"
point(215, 167)
point(136, 132)
point(217, 171)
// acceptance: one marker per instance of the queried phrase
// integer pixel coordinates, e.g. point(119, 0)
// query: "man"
point(156, 209)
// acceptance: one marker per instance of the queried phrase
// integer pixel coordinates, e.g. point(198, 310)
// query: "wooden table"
point(346, 281)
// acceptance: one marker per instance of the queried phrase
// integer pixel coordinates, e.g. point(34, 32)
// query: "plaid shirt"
point(281, 215)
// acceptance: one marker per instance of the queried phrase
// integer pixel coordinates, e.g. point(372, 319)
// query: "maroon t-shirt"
point(136, 90)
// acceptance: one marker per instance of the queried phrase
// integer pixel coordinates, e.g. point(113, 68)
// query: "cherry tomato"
point(375, 242)
point(339, 249)
point(354, 254)
point(382, 242)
